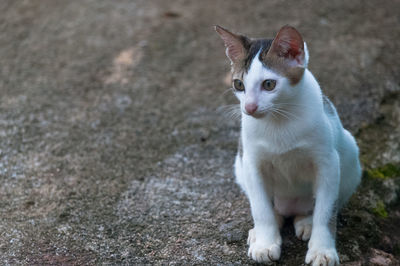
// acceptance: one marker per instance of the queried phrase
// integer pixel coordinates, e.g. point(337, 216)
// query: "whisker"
point(231, 111)
point(273, 114)
point(228, 108)
point(291, 104)
point(277, 111)
point(226, 91)
point(288, 113)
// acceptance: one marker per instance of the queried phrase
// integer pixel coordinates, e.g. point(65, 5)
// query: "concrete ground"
point(114, 148)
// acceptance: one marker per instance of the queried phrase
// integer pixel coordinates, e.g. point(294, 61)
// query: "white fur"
point(300, 158)
point(306, 55)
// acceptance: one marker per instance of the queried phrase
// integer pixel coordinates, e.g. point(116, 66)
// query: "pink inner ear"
point(290, 47)
point(235, 50)
point(289, 44)
point(294, 48)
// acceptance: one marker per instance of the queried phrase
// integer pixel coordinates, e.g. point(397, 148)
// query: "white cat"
point(295, 158)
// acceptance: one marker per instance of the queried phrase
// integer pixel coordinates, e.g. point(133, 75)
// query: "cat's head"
point(265, 72)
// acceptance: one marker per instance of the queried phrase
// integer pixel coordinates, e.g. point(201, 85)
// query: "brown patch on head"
point(254, 46)
point(279, 64)
point(283, 54)
point(286, 55)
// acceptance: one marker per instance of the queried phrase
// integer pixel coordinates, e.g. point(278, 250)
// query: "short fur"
point(295, 158)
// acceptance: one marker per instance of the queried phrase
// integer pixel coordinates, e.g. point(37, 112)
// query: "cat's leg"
point(321, 247)
point(279, 220)
point(264, 239)
point(238, 169)
point(303, 227)
point(240, 180)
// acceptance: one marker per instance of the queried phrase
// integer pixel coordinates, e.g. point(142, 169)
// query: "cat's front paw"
point(264, 249)
point(322, 257)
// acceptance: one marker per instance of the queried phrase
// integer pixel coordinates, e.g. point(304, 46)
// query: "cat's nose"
point(251, 108)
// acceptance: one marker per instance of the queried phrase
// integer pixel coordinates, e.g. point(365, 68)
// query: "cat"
point(294, 157)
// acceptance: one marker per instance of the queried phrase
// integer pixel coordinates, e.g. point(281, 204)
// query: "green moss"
point(387, 171)
point(380, 209)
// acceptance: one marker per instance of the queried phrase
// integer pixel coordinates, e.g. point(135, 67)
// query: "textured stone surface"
point(112, 149)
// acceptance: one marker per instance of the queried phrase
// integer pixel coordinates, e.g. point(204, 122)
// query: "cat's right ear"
point(288, 44)
point(235, 44)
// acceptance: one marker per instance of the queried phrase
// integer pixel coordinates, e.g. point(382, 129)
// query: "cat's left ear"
point(236, 45)
point(289, 44)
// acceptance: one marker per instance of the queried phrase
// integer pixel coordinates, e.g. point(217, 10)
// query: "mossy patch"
point(387, 171)
point(380, 209)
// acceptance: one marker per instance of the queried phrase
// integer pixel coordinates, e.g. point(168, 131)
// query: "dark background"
point(114, 148)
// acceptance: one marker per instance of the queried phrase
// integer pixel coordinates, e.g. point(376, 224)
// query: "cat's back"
point(340, 135)
point(329, 108)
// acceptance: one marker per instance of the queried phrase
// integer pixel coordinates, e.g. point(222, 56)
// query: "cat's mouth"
point(256, 114)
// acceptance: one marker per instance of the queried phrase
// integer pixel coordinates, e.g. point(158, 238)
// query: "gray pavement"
point(114, 148)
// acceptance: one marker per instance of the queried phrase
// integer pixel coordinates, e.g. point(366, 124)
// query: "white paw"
point(322, 257)
point(263, 251)
point(303, 227)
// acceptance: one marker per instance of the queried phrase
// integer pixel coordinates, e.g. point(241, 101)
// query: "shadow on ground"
point(111, 148)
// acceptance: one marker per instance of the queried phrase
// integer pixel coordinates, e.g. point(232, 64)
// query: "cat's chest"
point(291, 178)
point(261, 137)
point(293, 164)
point(285, 155)
point(291, 173)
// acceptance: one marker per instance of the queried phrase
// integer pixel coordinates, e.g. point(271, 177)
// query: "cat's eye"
point(238, 85)
point(269, 84)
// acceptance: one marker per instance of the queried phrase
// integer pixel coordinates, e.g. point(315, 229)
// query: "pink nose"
point(251, 108)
